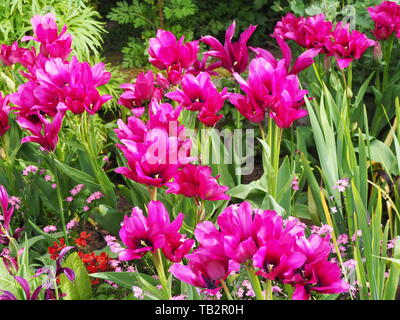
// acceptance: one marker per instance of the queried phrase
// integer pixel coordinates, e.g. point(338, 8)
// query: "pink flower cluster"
point(318, 33)
point(55, 84)
point(278, 249)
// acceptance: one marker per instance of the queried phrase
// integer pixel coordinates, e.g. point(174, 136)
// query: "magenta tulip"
point(197, 181)
point(4, 112)
point(321, 277)
point(144, 234)
point(386, 17)
point(234, 56)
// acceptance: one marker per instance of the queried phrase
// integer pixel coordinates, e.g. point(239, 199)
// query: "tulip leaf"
point(81, 287)
point(77, 175)
point(7, 282)
point(381, 153)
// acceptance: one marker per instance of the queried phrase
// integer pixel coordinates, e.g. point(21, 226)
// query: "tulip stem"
point(255, 283)
point(158, 263)
point(388, 54)
point(261, 131)
point(153, 194)
point(56, 288)
point(53, 166)
point(274, 142)
point(268, 290)
point(227, 293)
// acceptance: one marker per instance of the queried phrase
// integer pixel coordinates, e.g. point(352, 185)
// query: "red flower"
point(95, 263)
point(81, 241)
point(54, 250)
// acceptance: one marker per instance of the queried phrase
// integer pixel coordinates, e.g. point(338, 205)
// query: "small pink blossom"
point(15, 202)
point(69, 199)
point(29, 169)
point(295, 183)
point(94, 196)
point(343, 238)
point(49, 229)
point(391, 244)
point(350, 264)
point(138, 292)
point(70, 225)
point(75, 190)
point(341, 184)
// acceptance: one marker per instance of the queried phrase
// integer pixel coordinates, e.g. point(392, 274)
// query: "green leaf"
point(7, 282)
point(381, 153)
point(77, 175)
point(81, 287)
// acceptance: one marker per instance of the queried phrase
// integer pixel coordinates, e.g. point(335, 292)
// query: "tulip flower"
point(347, 45)
point(197, 181)
point(315, 248)
point(303, 61)
point(288, 28)
point(274, 90)
point(201, 66)
point(202, 271)
point(176, 246)
point(168, 53)
point(276, 259)
point(238, 229)
point(75, 83)
point(200, 94)
point(44, 131)
point(310, 32)
point(7, 213)
point(13, 54)
point(144, 234)
point(248, 108)
point(165, 116)
point(156, 150)
point(4, 112)
point(234, 56)
point(136, 94)
point(386, 17)
point(9, 262)
point(53, 44)
point(155, 160)
point(321, 277)
point(196, 90)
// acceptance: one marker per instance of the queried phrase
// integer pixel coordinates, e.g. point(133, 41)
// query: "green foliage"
point(81, 287)
point(189, 18)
